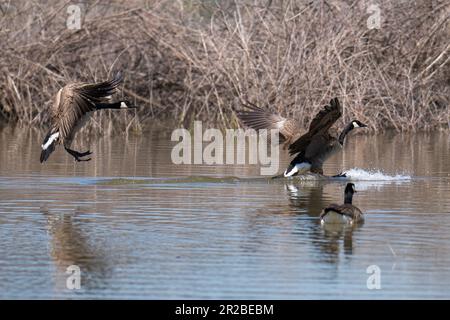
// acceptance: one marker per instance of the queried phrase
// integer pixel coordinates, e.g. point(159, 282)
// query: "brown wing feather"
point(76, 100)
point(326, 117)
point(98, 92)
point(348, 210)
point(300, 145)
point(71, 110)
point(259, 118)
point(321, 123)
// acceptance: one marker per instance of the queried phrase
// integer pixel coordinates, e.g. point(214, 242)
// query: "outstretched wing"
point(98, 92)
point(75, 100)
point(259, 118)
point(321, 123)
point(326, 117)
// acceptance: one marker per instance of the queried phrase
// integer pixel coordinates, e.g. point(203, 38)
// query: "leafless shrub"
point(186, 60)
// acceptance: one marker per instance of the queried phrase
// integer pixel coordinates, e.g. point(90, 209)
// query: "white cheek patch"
point(355, 124)
point(299, 167)
point(50, 140)
point(123, 105)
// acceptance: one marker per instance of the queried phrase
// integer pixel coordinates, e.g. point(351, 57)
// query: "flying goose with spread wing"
point(73, 105)
point(314, 147)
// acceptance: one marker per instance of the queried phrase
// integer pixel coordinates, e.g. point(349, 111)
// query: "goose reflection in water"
point(70, 244)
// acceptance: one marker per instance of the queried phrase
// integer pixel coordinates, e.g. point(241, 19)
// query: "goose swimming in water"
point(73, 105)
point(344, 213)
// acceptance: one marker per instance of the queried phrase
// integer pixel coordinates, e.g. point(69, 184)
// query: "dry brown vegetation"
point(198, 60)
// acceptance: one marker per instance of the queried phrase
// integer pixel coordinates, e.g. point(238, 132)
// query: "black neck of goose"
point(348, 197)
point(344, 133)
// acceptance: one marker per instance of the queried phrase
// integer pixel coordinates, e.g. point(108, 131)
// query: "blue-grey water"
point(141, 227)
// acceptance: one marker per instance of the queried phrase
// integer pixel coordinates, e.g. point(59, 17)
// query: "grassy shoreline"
point(197, 60)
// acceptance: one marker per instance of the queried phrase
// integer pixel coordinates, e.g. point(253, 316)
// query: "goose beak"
point(362, 125)
point(45, 153)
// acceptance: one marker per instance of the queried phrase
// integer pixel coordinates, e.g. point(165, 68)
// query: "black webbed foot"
point(77, 155)
point(83, 154)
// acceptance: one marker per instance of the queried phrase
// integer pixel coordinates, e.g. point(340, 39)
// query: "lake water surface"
point(141, 227)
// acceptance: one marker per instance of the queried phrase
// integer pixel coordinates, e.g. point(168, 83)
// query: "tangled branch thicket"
point(192, 60)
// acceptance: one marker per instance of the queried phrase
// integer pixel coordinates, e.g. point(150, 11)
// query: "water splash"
point(374, 175)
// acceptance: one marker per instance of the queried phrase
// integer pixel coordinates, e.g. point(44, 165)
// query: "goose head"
point(349, 127)
point(350, 188)
point(348, 193)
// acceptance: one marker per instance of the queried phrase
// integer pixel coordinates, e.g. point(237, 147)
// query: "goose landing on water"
point(344, 213)
point(320, 142)
point(312, 148)
point(73, 105)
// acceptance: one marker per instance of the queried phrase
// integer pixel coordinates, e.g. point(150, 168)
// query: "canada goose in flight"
point(344, 213)
point(72, 107)
point(312, 148)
